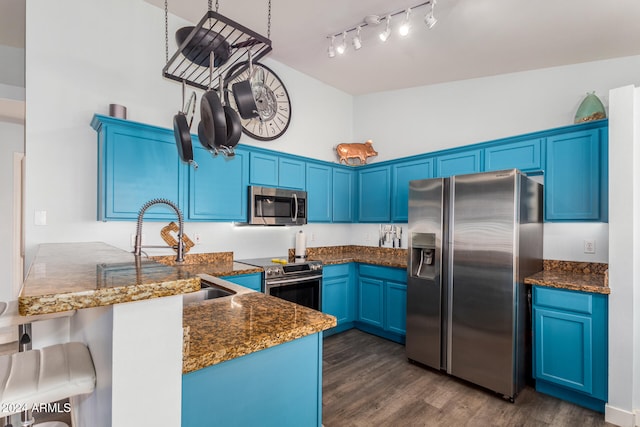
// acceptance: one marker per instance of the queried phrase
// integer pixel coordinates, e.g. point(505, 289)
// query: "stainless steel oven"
point(297, 282)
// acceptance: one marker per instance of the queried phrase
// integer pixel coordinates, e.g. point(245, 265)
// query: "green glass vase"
point(590, 109)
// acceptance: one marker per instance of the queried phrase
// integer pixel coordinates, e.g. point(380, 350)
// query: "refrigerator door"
point(424, 271)
point(483, 294)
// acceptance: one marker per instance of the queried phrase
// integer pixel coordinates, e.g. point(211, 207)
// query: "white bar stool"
point(34, 377)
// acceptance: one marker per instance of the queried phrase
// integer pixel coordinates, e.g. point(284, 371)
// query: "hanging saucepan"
point(181, 131)
point(243, 92)
point(234, 126)
point(205, 41)
point(212, 114)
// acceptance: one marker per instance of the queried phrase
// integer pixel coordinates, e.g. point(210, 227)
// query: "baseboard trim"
point(620, 417)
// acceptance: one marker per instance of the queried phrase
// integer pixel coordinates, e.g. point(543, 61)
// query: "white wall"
point(69, 78)
point(624, 265)
point(12, 71)
point(430, 118)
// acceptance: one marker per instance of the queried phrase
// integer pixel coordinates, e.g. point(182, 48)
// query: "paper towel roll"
point(301, 247)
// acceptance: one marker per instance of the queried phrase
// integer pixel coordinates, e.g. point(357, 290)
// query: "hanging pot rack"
point(212, 30)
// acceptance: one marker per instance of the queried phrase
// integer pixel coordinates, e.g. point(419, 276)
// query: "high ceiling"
point(473, 38)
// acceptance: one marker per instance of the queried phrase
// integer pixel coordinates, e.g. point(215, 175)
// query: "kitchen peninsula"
point(130, 314)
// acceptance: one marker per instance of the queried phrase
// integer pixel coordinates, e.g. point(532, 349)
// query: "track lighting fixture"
point(404, 28)
point(332, 50)
point(373, 20)
point(357, 41)
point(387, 31)
point(429, 19)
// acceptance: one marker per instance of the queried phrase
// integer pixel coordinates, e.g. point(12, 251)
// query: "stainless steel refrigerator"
point(472, 241)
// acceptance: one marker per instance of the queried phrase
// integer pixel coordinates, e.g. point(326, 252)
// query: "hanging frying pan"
point(205, 141)
point(212, 113)
point(243, 93)
point(182, 134)
point(205, 41)
point(234, 126)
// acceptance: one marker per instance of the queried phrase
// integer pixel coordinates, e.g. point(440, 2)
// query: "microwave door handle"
point(295, 207)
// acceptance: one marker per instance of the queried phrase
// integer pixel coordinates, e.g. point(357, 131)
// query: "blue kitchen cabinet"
point(136, 163)
point(343, 195)
point(251, 281)
point(338, 295)
point(570, 345)
point(319, 192)
point(276, 171)
point(524, 155)
point(374, 194)
point(402, 173)
point(218, 188)
point(574, 176)
point(382, 301)
point(278, 386)
point(459, 163)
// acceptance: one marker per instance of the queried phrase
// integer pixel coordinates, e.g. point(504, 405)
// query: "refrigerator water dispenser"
point(423, 252)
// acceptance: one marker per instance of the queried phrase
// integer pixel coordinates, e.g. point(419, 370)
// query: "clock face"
point(272, 102)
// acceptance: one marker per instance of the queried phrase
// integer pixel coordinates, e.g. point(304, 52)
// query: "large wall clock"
point(272, 101)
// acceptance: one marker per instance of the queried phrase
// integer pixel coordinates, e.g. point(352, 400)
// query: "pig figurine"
point(355, 151)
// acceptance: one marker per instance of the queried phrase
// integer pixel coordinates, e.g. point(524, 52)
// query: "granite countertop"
point(576, 276)
point(214, 264)
point(221, 329)
point(70, 276)
point(387, 257)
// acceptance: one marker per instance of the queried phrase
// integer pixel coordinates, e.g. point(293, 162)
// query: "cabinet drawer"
point(384, 273)
point(335, 270)
point(579, 302)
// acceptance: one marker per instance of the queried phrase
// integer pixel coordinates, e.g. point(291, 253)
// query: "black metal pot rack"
point(180, 68)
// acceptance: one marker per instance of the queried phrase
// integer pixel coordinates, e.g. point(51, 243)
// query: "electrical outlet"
point(312, 237)
point(196, 238)
point(40, 218)
point(589, 246)
point(367, 237)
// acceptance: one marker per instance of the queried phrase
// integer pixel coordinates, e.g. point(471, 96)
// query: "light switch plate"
point(40, 218)
point(590, 246)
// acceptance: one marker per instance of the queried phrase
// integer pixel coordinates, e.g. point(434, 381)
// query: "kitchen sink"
point(209, 290)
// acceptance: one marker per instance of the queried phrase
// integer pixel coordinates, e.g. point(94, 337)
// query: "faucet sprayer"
point(138, 243)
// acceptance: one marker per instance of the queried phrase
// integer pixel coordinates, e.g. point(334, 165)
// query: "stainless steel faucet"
point(138, 244)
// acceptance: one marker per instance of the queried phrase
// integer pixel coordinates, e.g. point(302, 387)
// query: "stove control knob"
point(270, 271)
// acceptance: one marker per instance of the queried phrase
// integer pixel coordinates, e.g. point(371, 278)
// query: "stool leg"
point(26, 418)
point(7, 422)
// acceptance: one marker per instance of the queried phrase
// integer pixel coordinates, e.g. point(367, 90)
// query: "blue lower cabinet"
point(251, 281)
point(382, 301)
point(338, 295)
point(570, 345)
point(280, 386)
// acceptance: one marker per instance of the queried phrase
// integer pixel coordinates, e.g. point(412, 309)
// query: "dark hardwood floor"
point(367, 381)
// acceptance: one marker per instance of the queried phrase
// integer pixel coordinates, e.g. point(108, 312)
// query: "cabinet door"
point(402, 174)
point(523, 155)
point(374, 194)
point(319, 193)
point(396, 304)
point(370, 301)
point(343, 195)
point(572, 176)
point(291, 173)
point(137, 164)
point(218, 188)
point(336, 298)
point(563, 348)
point(458, 163)
point(264, 169)
point(251, 281)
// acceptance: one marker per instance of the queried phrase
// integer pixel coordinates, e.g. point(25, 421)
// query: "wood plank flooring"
point(367, 381)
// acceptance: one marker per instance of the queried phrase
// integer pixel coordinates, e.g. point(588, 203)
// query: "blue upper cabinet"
point(468, 161)
point(524, 155)
point(573, 176)
point(319, 189)
point(374, 194)
point(136, 163)
point(275, 171)
point(402, 173)
point(218, 188)
point(343, 195)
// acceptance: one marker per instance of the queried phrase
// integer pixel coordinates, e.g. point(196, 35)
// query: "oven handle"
point(290, 281)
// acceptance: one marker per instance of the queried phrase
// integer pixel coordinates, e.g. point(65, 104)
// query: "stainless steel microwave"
point(277, 206)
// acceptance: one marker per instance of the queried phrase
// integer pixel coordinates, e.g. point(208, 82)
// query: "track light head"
point(406, 26)
point(429, 19)
point(387, 32)
point(331, 51)
point(357, 41)
point(342, 47)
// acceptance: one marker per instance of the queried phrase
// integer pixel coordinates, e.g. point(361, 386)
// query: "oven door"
point(305, 291)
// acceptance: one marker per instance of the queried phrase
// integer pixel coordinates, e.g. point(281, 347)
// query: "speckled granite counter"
point(576, 276)
point(69, 276)
point(214, 264)
point(388, 257)
point(226, 328)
